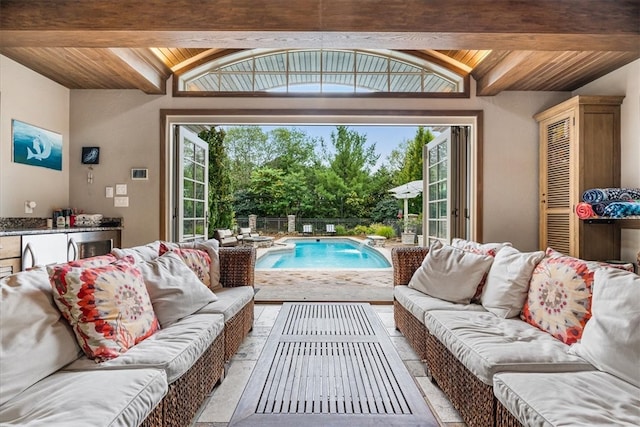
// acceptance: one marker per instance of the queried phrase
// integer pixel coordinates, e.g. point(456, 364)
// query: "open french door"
point(446, 186)
point(191, 174)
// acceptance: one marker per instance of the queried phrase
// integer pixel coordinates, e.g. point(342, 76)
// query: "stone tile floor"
point(218, 409)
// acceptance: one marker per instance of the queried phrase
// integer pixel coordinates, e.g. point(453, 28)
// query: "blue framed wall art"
point(35, 146)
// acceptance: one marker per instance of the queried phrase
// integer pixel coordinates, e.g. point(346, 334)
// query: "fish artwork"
point(41, 149)
point(36, 146)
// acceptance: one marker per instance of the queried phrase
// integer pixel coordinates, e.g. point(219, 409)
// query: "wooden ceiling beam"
point(512, 68)
point(393, 24)
point(145, 70)
point(290, 40)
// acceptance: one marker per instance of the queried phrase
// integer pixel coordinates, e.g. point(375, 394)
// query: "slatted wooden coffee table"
point(330, 365)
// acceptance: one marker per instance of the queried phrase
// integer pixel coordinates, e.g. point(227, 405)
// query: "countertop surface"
point(29, 231)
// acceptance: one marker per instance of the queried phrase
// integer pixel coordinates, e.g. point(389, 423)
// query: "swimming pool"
point(324, 253)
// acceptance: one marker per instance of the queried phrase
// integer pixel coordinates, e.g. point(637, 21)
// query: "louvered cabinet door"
point(579, 150)
point(558, 224)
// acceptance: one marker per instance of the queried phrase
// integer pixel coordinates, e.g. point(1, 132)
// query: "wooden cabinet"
point(579, 150)
point(9, 255)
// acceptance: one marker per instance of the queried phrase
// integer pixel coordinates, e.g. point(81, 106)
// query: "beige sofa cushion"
point(35, 340)
point(121, 398)
point(486, 344)
point(611, 338)
point(174, 349)
point(507, 283)
point(568, 399)
point(418, 303)
point(230, 301)
point(450, 273)
point(139, 253)
point(174, 288)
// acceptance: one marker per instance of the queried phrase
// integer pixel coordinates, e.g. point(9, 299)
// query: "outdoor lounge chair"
point(331, 229)
point(307, 229)
point(225, 237)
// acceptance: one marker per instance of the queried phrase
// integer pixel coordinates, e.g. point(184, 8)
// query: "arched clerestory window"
point(323, 72)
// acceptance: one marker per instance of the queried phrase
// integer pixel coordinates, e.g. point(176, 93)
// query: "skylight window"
point(322, 72)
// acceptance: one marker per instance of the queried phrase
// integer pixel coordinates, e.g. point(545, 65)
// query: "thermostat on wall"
point(140, 173)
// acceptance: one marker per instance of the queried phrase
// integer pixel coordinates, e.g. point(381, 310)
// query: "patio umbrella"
point(407, 191)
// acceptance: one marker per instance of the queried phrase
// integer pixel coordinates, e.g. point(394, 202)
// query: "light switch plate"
point(121, 202)
point(108, 192)
point(121, 189)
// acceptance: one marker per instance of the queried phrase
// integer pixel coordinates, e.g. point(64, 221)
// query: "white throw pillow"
point(174, 288)
point(611, 338)
point(507, 283)
point(450, 274)
point(140, 253)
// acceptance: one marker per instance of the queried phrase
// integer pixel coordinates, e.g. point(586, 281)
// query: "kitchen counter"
point(29, 231)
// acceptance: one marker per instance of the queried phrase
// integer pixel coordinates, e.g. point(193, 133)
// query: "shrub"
point(383, 230)
point(362, 229)
point(341, 230)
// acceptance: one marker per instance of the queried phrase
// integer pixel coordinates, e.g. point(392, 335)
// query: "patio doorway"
point(323, 285)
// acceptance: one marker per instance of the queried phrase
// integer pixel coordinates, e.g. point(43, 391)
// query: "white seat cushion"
point(174, 349)
point(486, 344)
point(230, 301)
point(35, 341)
point(87, 398)
point(569, 399)
point(418, 303)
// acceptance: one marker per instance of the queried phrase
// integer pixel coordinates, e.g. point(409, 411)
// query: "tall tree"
point(349, 170)
point(220, 195)
point(248, 149)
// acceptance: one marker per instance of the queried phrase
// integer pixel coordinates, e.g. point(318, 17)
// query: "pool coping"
point(280, 245)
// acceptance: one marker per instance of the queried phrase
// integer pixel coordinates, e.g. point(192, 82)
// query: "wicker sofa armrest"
point(237, 266)
point(406, 261)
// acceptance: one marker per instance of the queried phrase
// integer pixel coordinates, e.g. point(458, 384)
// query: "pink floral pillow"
point(107, 306)
point(96, 261)
point(559, 299)
point(490, 249)
point(197, 260)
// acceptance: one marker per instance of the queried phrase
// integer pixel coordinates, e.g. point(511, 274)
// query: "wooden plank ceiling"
point(505, 45)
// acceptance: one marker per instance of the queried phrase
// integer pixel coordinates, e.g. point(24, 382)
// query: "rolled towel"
point(584, 210)
point(597, 195)
point(599, 208)
point(622, 209)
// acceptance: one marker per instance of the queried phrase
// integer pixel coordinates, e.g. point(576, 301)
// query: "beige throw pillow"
point(450, 274)
point(611, 338)
point(174, 288)
point(507, 283)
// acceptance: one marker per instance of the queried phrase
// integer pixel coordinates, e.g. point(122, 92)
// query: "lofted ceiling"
point(545, 45)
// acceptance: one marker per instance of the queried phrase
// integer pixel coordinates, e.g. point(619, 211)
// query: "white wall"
point(625, 81)
point(31, 98)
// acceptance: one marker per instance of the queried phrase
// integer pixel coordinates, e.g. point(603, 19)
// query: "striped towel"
point(622, 209)
point(597, 195)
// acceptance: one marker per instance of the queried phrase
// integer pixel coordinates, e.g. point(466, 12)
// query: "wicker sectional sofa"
point(505, 372)
point(161, 381)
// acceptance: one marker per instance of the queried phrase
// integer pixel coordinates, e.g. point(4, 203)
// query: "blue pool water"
point(324, 253)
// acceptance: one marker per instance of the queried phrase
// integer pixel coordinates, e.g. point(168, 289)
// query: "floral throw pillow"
point(107, 306)
point(559, 298)
point(197, 260)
